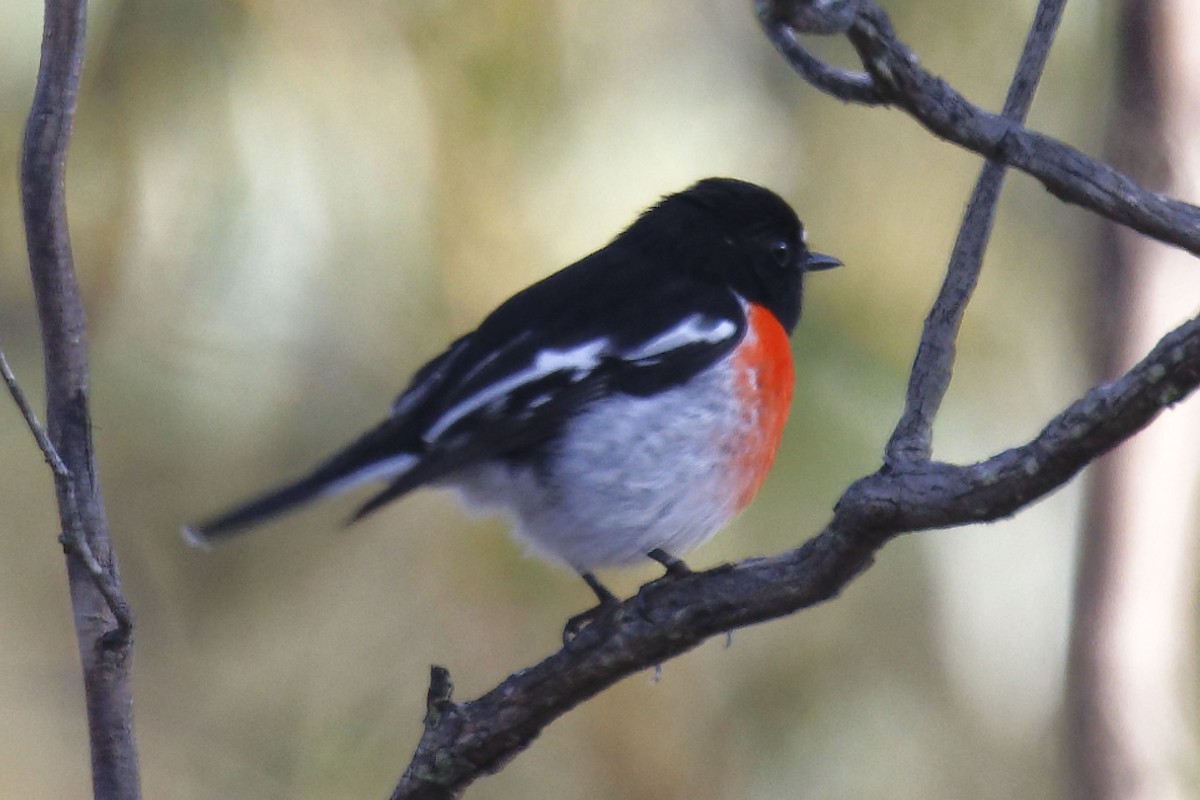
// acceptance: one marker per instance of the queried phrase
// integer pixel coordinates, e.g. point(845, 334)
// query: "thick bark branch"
point(102, 620)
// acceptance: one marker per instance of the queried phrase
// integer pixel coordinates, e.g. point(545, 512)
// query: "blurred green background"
point(280, 210)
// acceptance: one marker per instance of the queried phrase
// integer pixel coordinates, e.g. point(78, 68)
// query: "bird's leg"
point(674, 566)
point(602, 593)
point(607, 600)
point(675, 569)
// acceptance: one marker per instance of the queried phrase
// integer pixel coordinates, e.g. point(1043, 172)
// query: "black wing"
point(609, 323)
point(523, 393)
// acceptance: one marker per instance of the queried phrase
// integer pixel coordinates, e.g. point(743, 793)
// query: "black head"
point(737, 234)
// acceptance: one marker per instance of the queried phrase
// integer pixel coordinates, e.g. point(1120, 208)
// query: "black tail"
point(381, 453)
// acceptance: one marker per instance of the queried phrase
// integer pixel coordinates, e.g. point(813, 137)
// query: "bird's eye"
point(781, 250)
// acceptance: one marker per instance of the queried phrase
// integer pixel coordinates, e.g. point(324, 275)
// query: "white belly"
point(632, 475)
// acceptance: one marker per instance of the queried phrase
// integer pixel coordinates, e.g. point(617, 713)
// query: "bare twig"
point(855, 87)
point(105, 581)
point(71, 539)
point(31, 420)
point(934, 363)
point(897, 78)
point(102, 619)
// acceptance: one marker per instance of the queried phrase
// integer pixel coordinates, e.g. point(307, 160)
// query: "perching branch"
point(911, 492)
point(103, 623)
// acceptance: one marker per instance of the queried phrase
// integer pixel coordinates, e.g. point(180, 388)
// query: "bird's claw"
point(584, 618)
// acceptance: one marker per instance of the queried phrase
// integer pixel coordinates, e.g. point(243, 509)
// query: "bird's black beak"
point(815, 262)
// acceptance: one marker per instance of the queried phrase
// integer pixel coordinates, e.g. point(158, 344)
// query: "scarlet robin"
point(623, 408)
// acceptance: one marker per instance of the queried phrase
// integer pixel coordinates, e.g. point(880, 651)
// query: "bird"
point(624, 408)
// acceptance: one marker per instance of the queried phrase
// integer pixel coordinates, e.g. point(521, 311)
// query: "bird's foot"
point(608, 601)
point(584, 618)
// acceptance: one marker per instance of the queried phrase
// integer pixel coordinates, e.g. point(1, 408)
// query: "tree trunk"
point(1131, 698)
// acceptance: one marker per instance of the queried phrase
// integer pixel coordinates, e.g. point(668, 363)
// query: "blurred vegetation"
point(281, 209)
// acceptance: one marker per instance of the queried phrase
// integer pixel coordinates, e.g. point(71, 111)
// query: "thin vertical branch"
point(102, 621)
point(934, 363)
